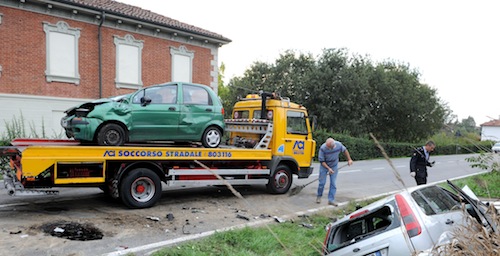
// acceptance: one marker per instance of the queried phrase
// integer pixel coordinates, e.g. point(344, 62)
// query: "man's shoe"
point(333, 203)
point(318, 200)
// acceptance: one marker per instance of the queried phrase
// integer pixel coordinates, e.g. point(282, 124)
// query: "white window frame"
point(179, 67)
point(51, 75)
point(128, 40)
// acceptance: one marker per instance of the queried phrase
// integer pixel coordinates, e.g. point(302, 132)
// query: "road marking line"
point(9, 205)
point(378, 168)
point(349, 171)
point(400, 166)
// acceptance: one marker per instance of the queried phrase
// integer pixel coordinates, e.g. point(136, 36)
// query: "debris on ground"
point(197, 211)
point(153, 218)
point(15, 232)
point(278, 219)
point(72, 230)
point(239, 216)
point(263, 216)
point(307, 225)
point(58, 230)
point(170, 217)
point(238, 210)
point(194, 209)
point(186, 232)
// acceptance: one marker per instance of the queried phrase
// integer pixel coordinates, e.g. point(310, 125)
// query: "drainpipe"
point(103, 16)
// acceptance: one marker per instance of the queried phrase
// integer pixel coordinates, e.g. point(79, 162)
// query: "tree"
point(468, 124)
point(350, 94)
point(405, 109)
point(222, 90)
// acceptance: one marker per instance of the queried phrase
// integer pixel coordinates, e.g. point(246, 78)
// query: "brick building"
point(55, 54)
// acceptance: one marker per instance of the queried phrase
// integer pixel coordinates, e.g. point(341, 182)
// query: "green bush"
point(365, 148)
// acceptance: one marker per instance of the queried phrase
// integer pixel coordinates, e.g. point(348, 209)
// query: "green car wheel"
point(111, 135)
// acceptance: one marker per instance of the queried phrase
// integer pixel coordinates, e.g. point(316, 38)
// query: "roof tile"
point(491, 123)
point(143, 14)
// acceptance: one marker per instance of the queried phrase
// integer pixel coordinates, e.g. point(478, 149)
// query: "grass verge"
point(303, 235)
point(484, 185)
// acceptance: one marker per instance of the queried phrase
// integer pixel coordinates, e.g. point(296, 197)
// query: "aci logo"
point(298, 147)
point(111, 153)
point(281, 148)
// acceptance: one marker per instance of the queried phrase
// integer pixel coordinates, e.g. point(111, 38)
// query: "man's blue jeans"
point(323, 173)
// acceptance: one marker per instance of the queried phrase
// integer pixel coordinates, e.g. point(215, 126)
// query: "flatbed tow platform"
point(268, 150)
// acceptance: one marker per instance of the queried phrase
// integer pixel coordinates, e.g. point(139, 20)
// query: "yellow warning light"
point(252, 96)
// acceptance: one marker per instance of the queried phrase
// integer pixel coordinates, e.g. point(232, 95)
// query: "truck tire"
point(111, 135)
point(140, 188)
point(280, 180)
point(212, 137)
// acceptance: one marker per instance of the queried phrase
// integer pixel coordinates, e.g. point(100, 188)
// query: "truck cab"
point(291, 129)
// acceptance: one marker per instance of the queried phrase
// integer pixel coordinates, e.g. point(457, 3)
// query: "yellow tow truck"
point(270, 139)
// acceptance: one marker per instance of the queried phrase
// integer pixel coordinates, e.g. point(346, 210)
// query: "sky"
point(453, 44)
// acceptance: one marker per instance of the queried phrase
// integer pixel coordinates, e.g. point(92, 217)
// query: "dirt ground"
point(178, 214)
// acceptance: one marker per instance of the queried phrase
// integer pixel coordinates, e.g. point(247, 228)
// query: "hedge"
point(365, 148)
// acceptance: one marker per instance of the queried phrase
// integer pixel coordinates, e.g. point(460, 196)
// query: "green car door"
point(155, 114)
point(197, 110)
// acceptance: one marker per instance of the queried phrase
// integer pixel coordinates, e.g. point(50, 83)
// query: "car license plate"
point(382, 252)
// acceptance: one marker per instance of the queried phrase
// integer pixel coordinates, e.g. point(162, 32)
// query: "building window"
point(62, 52)
point(182, 64)
point(128, 62)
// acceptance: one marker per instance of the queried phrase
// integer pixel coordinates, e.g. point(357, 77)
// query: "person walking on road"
point(419, 162)
point(329, 159)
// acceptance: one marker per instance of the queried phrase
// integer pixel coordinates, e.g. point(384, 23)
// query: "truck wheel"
point(211, 137)
point(281, 180)
point(140, 188)
point(111, 135)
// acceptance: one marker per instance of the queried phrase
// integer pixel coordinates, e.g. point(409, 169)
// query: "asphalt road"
point(197, 212)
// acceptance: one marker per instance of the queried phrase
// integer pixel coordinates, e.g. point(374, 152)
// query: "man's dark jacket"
point(418, 163)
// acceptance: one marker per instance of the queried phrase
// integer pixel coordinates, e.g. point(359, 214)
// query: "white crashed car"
point(405, 223)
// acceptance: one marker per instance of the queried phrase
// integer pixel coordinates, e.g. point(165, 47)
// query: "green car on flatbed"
point(175, 111)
